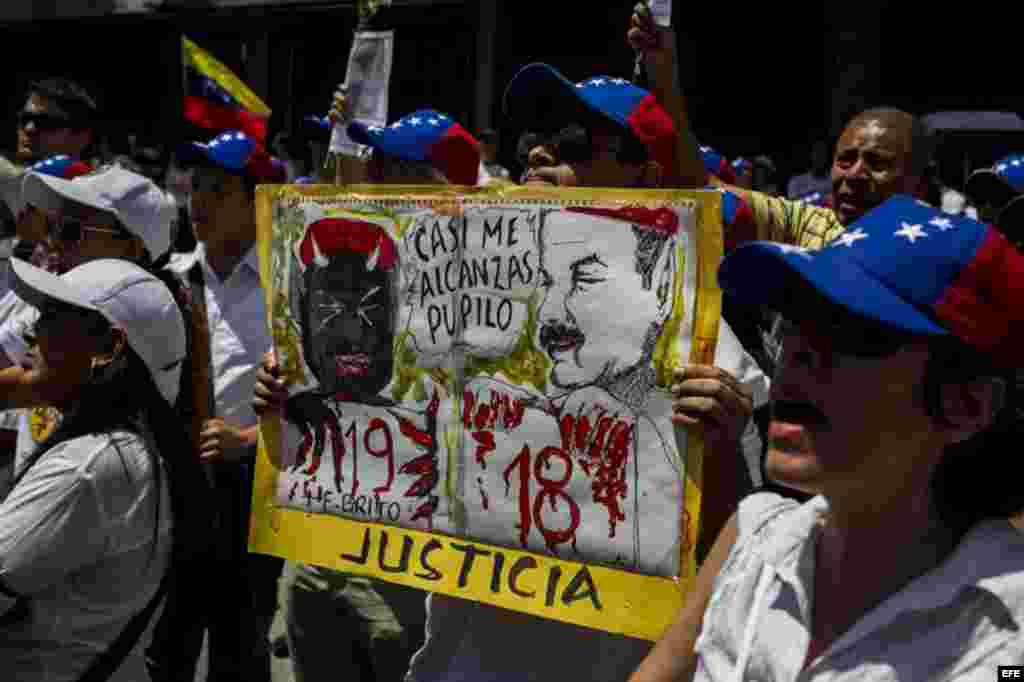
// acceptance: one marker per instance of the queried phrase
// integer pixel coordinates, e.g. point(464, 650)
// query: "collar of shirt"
point(989, 558)
point(182, 263)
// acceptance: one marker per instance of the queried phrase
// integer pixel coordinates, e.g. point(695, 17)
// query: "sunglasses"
point(576, 144)
point(43, 121)
point(69, 229)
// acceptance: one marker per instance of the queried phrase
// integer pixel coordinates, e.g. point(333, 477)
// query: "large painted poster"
point(480, 391)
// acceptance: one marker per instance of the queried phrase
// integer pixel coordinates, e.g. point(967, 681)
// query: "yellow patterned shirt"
point(791, 222)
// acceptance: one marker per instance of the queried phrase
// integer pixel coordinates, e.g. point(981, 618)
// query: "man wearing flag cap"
point(895, 407)
point(223, 279)
point(347, 266)
point(996, 192)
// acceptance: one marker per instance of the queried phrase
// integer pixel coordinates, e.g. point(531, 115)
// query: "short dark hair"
point(83, 112)
point(979, 478)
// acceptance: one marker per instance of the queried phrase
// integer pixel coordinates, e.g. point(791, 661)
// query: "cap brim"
point(796, 283)
point(49, 192)
point(985, 186)
point(541, 98)
point(37, 286)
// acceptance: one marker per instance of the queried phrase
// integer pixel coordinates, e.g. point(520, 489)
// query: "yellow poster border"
point(587, 595)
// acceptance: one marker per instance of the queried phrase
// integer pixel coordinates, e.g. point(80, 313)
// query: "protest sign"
point(480, 395)
point(366, 82)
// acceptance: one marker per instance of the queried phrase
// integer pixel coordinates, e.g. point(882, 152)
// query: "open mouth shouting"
point(352, 365)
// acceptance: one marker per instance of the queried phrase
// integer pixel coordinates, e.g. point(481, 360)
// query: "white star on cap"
point(414, 121)
point(1001, 168)
point(442, 117)
point(911, 232)
point(597, 81)
point(434, 122)
point(801, 251)
point(848, 239)
point(396, 125)
point(942, 223)
point(239, 136)
point(581, 85)
point(1015, 162)
point(619, 81)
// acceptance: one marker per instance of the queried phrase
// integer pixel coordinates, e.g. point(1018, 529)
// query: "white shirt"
point(239, 335)
point(958, 621)
point(76, 538)
point(470, 642)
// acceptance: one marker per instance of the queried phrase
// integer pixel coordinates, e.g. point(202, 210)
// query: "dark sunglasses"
point(43, 121)
point(575, 144)
point(69, 229)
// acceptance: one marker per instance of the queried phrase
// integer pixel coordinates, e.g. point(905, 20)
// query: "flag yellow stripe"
point(210, 66)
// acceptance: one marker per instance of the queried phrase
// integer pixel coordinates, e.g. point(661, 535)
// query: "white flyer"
point(367, 78)
point(661, 10)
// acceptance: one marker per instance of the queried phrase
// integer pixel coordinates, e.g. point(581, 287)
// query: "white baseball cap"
point(129, 298)
point(133, 199)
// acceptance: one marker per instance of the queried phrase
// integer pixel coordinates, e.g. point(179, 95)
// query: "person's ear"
point(652, 175)
point(971, 407)
point(115, 346)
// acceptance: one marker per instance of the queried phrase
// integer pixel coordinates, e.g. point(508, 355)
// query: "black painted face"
point(349, 320)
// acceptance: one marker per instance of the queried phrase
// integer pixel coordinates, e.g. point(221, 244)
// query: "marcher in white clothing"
point(86, 532)
point(895, 404)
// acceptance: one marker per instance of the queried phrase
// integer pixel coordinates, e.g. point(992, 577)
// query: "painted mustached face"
point(596, 309)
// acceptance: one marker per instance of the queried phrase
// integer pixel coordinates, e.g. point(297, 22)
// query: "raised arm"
point(657, 46)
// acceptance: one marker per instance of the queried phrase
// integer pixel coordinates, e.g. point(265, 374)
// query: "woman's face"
point(67, 340)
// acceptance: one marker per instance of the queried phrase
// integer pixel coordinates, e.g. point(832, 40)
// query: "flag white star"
point(434, 122)
point(619, 81)
point(1015, 162)
point(848, 239)
point(581, 85)
point(442, 117)
point(801, 251)
point(414, 121)
point(396, 125)
point(942, 223)
point(911, 232)
point(597, 81)
point(239, 136)
point(1001, 168)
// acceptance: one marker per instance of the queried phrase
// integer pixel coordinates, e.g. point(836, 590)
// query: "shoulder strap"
point(107, 663)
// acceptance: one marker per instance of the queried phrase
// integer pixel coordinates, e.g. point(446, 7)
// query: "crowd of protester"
point(862, 498)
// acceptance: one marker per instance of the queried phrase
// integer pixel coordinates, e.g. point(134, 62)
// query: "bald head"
point(916, 137)
point(881, 152)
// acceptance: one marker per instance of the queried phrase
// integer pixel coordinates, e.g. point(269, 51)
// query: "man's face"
point(44, 130)
point(596, 311)
point(79, 234)
point(350, 326)
point(838, 419)
point(601, 167)
point(871, 164)
point(219, 202)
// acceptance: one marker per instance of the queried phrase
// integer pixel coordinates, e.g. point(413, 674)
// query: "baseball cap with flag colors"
point(541, 97)
point(999, 184)
point(238, 153)
point(906, 265)
point(138, 204)
point(129, 298)
point(425, 135)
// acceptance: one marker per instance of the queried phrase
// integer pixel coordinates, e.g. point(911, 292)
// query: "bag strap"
point(107, 663)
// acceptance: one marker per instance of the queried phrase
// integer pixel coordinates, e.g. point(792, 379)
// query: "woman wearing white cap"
point(86, 532)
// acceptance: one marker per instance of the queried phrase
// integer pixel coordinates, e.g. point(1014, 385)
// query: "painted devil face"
point(349, 323)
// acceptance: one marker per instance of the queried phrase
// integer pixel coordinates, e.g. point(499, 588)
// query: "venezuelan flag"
point(216, 99)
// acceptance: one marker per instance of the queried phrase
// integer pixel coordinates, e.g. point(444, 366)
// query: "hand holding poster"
point(366, 86)
point(480, 400)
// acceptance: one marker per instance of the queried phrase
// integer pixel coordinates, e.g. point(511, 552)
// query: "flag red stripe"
point(206, 114)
